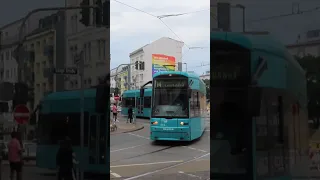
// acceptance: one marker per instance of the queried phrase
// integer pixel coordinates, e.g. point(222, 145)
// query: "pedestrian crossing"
point(114, 175)
point(26, 163)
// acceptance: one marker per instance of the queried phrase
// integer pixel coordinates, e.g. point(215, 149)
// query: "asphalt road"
point(135, 156)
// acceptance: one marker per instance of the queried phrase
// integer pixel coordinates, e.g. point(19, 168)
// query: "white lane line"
point(191, 175)
point(195, 149)
point(145, 164)
point(163, 169)
point(115, 174)
point(139, 136)
point(131, 147)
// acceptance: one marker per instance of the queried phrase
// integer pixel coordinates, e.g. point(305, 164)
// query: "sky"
point(132, 29)
point(286, 29)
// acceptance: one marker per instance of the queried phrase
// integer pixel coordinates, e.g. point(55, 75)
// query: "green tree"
point(311, 64)
point(207, 82)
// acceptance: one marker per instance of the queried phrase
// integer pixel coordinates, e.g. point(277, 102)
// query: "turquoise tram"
point(59, 117)
point(178, 106)
point(259, 125)
point(141, 105)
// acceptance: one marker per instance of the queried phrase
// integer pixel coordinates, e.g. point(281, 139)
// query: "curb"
point(137, 129)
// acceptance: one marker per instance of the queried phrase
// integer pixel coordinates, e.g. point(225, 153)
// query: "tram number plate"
point(168, 129)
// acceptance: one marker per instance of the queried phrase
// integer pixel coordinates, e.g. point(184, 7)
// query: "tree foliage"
point(311, 64)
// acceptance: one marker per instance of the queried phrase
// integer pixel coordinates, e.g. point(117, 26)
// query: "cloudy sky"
point(286, 28)
point(132, 29)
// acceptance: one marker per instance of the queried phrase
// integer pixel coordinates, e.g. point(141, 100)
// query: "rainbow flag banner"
point(162, 62)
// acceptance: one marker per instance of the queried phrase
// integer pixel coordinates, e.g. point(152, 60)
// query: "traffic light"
point(85, 13)
point(106, 13)
point(98, 13)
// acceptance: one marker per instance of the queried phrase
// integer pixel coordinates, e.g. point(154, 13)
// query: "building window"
point(44, 87)
point(71, 84)
point(89, 51)
point(89, 81)
point(7, 74)
point(38, 88)
point(44, 64)
point(38, 68)
point(7, 55)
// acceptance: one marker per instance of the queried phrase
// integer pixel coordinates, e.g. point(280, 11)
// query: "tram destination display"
point(171, 83)
point(230, 69)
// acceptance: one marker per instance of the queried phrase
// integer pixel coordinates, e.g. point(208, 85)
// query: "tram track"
point(152, 152)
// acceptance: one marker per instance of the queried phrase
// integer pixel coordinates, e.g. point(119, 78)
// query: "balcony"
point(48, 50)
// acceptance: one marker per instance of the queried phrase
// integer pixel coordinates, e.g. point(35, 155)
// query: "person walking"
point(15, 156)
point(64, 160)
point(115, 112)
point(130, 114)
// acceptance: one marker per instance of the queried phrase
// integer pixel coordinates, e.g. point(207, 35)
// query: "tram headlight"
point(155, 123)
point(182, 123)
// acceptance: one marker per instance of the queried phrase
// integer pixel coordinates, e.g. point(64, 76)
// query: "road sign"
point(21, 114)
point(69, 70)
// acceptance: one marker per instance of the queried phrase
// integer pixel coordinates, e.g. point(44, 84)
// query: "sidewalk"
point(124, 127)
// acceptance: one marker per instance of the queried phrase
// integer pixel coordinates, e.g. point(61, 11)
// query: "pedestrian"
point(115, 112)
point(15, 156)
point(130, 114)
point(64, 160)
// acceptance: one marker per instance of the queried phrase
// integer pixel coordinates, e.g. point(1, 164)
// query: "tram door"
point(231, 137)
point(98, 140)
point(140, 106)
point(271, 143)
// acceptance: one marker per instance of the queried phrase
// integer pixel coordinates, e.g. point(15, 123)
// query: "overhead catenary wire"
point(285, 15)
point(160, 18)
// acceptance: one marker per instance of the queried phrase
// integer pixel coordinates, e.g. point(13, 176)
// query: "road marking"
point(139, 136)
point(191, 175)
point(115, 174)
point(163, 169)
point(116, 150)
point(145, 164)
point(195, 149)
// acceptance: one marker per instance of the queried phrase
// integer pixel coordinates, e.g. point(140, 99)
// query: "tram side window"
point(194, 105)
point(147, 102)
point(56, 127)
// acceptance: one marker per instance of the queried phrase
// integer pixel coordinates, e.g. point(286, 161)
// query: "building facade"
point(90, 44)
point(307, 43)
point(161, 55)
point(205, 76)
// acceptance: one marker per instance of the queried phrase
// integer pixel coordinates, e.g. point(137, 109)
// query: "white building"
point(307, 43)
point(92, 41)
point(206, 75)
point(163, 49)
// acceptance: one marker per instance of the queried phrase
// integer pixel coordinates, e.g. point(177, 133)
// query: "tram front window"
point(170, 98)
point(230, 142)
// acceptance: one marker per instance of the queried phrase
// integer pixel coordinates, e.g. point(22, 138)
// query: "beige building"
point(41, 58)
